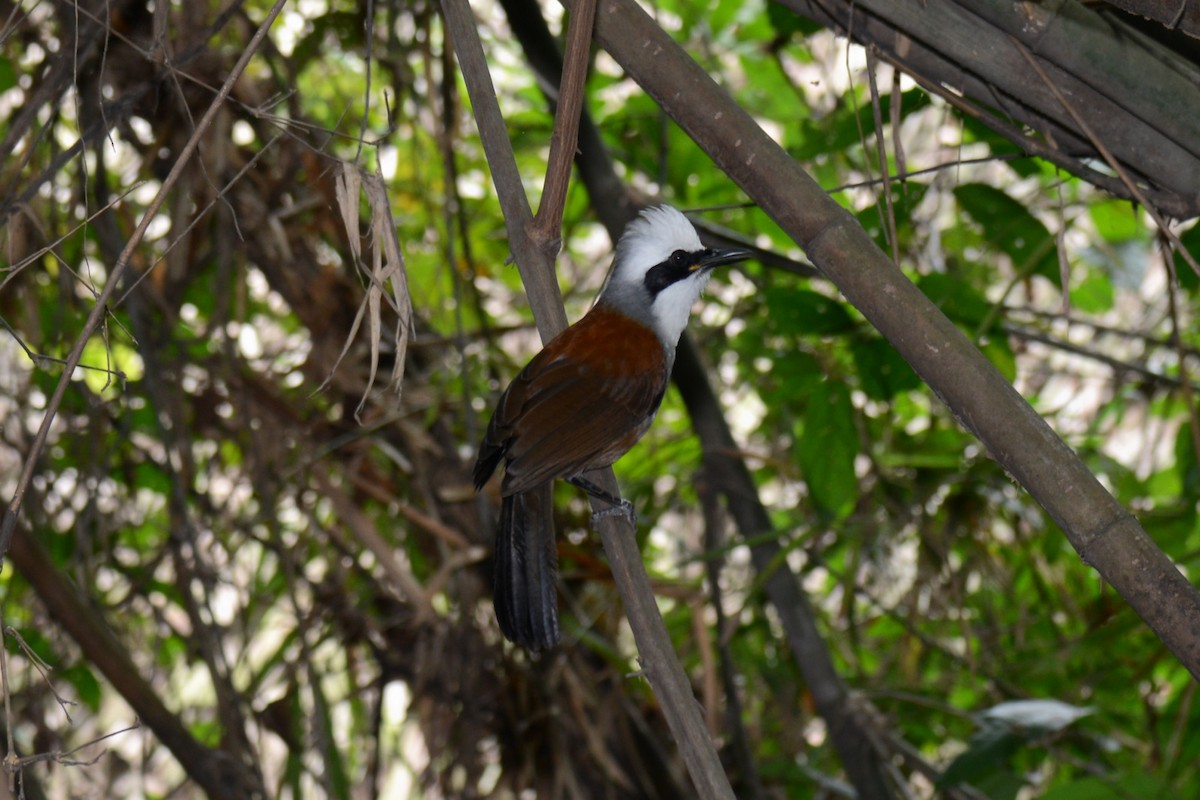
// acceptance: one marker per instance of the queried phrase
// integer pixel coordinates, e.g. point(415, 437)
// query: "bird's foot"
point(621, 509)
point(617, 506)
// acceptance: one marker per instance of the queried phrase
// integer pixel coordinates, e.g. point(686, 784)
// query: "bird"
point(582, 403)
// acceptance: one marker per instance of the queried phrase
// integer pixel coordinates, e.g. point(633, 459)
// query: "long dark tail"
point(526, 590)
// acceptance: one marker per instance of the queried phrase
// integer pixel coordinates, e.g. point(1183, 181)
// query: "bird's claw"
point(624, 509)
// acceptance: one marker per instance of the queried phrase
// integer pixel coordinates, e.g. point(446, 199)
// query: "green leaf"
point(171, 650)
point(1000, 353)
point(976, 131)
point(147, 475)
point(8, 75)
point(334, 761)
point(793, 377)
point(827, 448)
point(1188, 279)
point(36, 641)
point(1116, 220)
point(788, 23)
point(958, 300)
point(1001, 785)
point(207, 731)
point(989, 752)
point(1111, 787)
point(882, 372)
point(850, 125)
point(1094, 294)
point(722, 16)
point(1185, 461)
point(108, 364)
point(1010, 228)
point(806, 312)
point(85, 684)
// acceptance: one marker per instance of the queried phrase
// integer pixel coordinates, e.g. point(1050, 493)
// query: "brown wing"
point(579, 404)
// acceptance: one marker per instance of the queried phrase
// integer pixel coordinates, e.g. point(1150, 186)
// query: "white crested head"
point(651, 239)
point(659, 271)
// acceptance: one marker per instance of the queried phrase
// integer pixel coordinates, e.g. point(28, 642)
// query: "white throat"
point(650, 240)
point(673, 306)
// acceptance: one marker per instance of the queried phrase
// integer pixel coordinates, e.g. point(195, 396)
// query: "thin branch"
point(8, 732)
point(16, 268)
point(1101, 328)
point(1079, 350)
point(13, 765)
point(97, 313)
point(706, 490)
point(724, 467)
point(43, 669)
point(537, 271)
point(199, 216)
point(368, 57)
point(41, 359)
point(888, 212)
point(114, 113)
point(548, 222)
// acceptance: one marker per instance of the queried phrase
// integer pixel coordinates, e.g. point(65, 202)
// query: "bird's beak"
point(714, 258)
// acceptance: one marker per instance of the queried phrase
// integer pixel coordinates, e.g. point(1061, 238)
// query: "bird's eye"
point(674, 267)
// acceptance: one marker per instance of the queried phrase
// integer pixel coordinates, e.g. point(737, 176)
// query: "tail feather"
point(526, 587)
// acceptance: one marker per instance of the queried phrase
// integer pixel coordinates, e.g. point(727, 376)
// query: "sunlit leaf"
point(1110, 787)
point(806, 312)
point(787, 23)
point(882, 372)
point(1117, 220)
point(84, 682)
point(1094, 294)
point(958, 300)
point(827, 448)
point(1011, 229)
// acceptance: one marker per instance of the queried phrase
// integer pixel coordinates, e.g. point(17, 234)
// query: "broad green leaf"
point(1000, 353)
point(805, 312)
point(1186, 461)
point(989, 752)
point(8, 75)
point(147, 475)
point(1094, 294)
point(1011, 229)
point(958, 300)
point(1186, 275)
point(334, 761)
point(85, 684)
point(788, 23)
point(827, 447)
point(792, 378)
point(1116, 220)
point(882, 372)
point(1112, 787)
